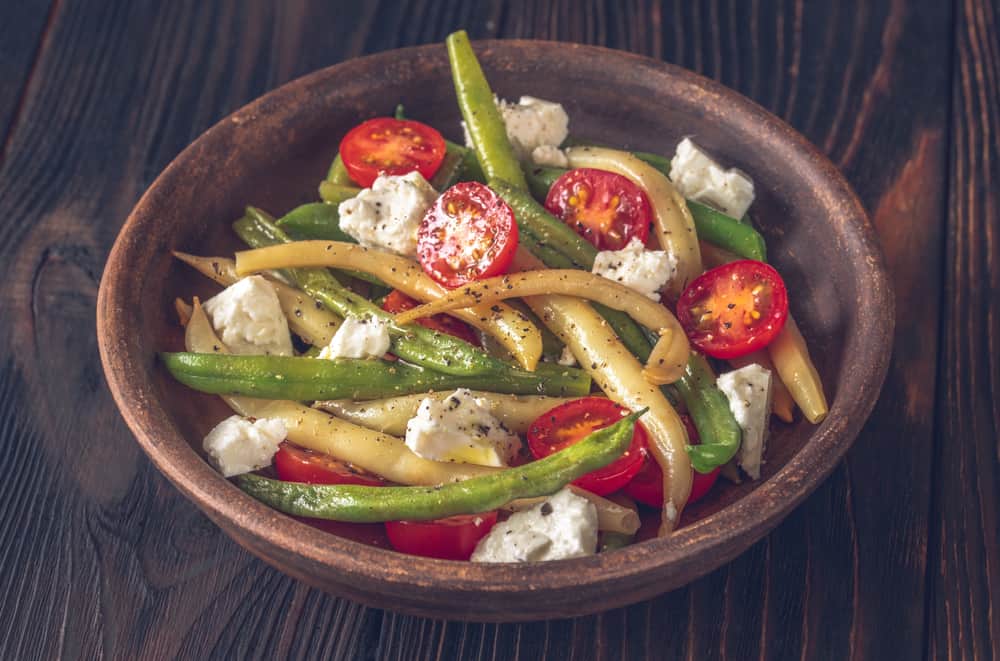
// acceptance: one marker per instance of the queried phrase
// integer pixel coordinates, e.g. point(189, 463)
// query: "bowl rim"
point(658, 564)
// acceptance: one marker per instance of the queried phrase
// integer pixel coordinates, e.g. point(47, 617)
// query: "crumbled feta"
point(549, 156)
point(248, 318)
point(566, 358)
point(749, 392)
point(460, 428)
point(530, 123)
point(238, 446)
point(366, 337)
point(388, 214)
point(697, 177)
point(645, 271)
point(564, 526)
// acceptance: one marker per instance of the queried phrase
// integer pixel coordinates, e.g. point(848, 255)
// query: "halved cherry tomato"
point(295, 464)
point(454, 538)
point(603, 207)
point(569, 423)
point(396, 301)
point(469, 234)
point(391, 146)
point(734, 309)
point(647, 485)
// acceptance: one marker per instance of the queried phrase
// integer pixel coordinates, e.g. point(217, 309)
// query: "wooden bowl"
point(272, 154)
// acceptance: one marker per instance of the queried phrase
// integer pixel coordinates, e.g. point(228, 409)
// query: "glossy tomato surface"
point(295, 464)
point(385, 145)
point(454, 538)
point(603, 207)
point(734, 309)
point(397, 302)
point(647, 485)
point(571, 422)
point(469, 234)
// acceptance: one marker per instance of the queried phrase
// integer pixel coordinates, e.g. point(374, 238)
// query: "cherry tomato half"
point(295, 464)
point(469, 234)
point(454, 538)
point(569, 423)
point(734, 309)
point(397, 302)
point(647, 485)
point(391, 146)
point(603, 207)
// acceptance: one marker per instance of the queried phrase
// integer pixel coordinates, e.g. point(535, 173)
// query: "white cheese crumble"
point(697, 177)
point(238, 446)
point(645, 271)
point(749, 392)
point(460, 428)
point(566, 358)
point(388, 214)
point(564, 526)
point(530, 123)
point(549, 156)
point(247, 317)
point(366, 337)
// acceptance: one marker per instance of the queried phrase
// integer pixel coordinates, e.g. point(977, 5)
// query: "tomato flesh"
point(469, 234)
point(734, 309)
point(603, 207)
point(454, 538)
point(295, 464)
point(647, 485)
point(571, 422)
point(397, 302)
point(385, 145)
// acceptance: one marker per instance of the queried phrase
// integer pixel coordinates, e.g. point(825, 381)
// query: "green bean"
point(719, 432)
point(482, 118)
point(727, 233)
point(540, 180)
point(362, 504)
point(306, 379)
point(332, 193)
point(661, 163)
point(449, 172)
point(400, 112)
point(337, 174)
point(471, 169)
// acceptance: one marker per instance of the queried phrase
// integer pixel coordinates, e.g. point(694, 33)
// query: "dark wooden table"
point(896, 556)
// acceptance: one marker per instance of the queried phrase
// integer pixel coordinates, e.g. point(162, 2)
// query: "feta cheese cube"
point(388, 214)
point(566, 358)
point(531, 123)
point(645, 271)
point(697, 177)
point(238, 446)
point(460, 428)
point(563, 526)
point(748, 390)
point(366, 337)
point(549, 156)
point(247, 317)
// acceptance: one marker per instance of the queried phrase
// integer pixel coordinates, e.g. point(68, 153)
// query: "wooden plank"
point(965, 557)
point(22, 33)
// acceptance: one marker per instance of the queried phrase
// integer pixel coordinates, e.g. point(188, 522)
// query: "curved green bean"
point(728, 233)
point(719, 432)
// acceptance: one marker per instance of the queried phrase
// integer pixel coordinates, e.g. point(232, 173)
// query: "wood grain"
point(965, 559)
point(99, 557)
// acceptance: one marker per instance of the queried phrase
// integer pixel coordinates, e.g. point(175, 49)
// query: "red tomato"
point(605, 208)
point(454, 538)
point(734, 309)
point(469, 234)
point(569, 423)
point(391, 146)
point(295, 464)
point(397, 302)
point(647, 485)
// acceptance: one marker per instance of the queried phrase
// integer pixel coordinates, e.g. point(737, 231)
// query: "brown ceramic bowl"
point(273, 153)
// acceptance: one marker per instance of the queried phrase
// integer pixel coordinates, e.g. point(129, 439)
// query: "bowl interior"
point(273, 153)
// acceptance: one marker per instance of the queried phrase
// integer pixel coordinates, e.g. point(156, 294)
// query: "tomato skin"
point(647, 486)
point(295, 464)
point(396, 302)
point(603, 207)
point(716, 310)
point(569, 423)
point(454, 538)
point(385, 145)
point(469, 234)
